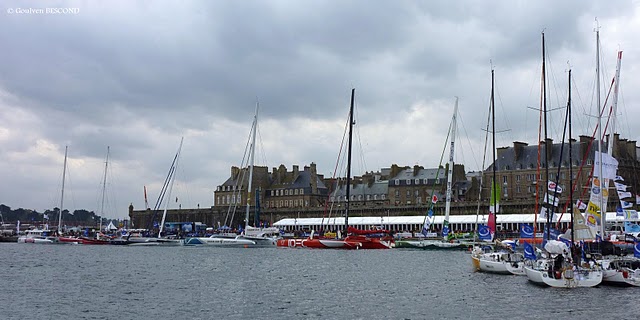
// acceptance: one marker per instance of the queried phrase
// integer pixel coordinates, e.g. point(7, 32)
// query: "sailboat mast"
point(570, 163)
point(603, 213)
point(346, 212)
point(64, 173)
point(614, 104)
point(450, 173)
point(252, 152)
point(546, 137)
point(494, 187)
point(173, 179)
point(104, 187)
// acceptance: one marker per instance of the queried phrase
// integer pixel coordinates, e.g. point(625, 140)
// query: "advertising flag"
point(620, 186)
point(622, 195)
point(529, 252)
point(526, 231)
point(553, 187)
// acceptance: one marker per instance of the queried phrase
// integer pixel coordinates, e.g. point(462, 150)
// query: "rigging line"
point(473, 155)
point(335, 171)
point(557, 177)
point(232, 210)
point(484, 158)
point(433, 188)
point(504, 113)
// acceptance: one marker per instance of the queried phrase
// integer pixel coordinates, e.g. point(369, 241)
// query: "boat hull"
point(349, 243)
point(219, 242)
point(623, 277)
point(431, 245)
point(566, 278)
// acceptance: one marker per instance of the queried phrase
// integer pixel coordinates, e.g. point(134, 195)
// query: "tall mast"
point(570, 163)
point(346, 213)
point(172, 173)
point(252, 152)
point(450, 173)
point(614, 104)
point(603, 213)
point(546, 137)
point(104, 187)
point(494, 187)
point(64, 173)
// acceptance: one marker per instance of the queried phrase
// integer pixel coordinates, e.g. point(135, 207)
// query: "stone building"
point(521, 181)
point(295, 189)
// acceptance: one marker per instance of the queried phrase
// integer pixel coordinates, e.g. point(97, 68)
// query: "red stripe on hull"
point(351, 242)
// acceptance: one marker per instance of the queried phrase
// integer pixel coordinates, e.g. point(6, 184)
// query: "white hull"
point(141, 241)
point(498, 262)
point(566, 278)
point(220, 242)
point(35, 240)
point(430, 244)
point(617, 277)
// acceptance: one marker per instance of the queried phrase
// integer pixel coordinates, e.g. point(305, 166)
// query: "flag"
point(529, 252)
point(434, 199)
point(495, 198)
point(492, 223)
point(69, 212)
point(631, 227)
point(445, 229)
point(544, 211)
point(636, 250)
point(565, 241)
point(526, 231)
point(484, 233)
point(620, 186)
point(18, 227)
point(45, 216)
point(581, 205)
point(626, 204)
point(427, 222)
point(553, 187)
point(622, 195)
point(637, 199)
point(551, 200)
point(553, 233)
point(619, 212)
point(619, 178)
point(598, 238)
point(630, 214)
point(176, 199)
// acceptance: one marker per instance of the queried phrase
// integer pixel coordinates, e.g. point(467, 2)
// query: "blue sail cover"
point(526, 231)
point(636, 250)
point(529, 252)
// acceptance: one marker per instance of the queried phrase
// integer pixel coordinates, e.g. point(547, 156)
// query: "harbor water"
point(122, 282)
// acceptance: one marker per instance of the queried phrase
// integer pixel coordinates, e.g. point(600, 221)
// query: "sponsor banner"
point(553, 187)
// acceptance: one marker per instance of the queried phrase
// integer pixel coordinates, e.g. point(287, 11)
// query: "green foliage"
point(79, 217)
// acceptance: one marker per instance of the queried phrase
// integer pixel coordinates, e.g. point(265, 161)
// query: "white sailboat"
point(503, 260)
point(252, 236)
point(444, 243)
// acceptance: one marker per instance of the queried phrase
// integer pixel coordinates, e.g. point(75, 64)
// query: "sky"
point(136, 76)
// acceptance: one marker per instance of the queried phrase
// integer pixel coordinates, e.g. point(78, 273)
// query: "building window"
point(397, 193)
point(301, 191)
point(397, 182)
point(384, 196)
point(518, 178)
point(375, 197)
point(589, 162)
point(417, 181)
point(504, 179)
point(295, 203)
point(272, 193)
point(408, 193)
point(295, 191)
point(518, 189)
point(408, 182)
point(417, 193)
point(368, 197)
point(286, 192)
point(359, 197)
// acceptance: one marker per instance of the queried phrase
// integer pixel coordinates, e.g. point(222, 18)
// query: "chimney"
point(631, 149)
point(313, 176)
point(235, 171)
point(584, 145)
point(296, 172)
point(518, 148)
point(416, 169)
point(548, 148)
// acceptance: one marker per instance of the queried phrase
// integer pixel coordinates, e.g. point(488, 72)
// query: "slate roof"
point(506, 160)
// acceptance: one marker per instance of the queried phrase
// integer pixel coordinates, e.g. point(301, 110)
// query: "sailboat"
point(356, 238)
point(503, 260)
point(97, 240)
point(42, 236)
point(444, 243)
point(165, 195)
point(562, 265)
point(252, 236)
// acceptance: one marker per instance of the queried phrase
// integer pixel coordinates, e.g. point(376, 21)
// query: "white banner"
point(551, 200)
point(553, 187)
